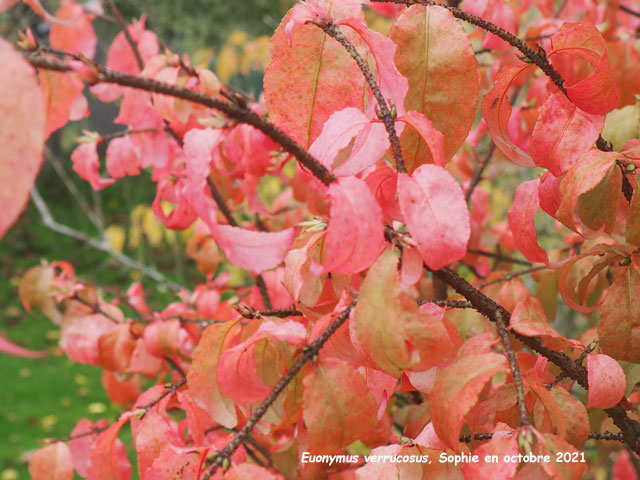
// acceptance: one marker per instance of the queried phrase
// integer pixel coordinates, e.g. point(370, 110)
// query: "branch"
point(387, 117)
point(101, 245)
point(490, 309)
point(250, 313)
point(238, 113)
point(309, 353)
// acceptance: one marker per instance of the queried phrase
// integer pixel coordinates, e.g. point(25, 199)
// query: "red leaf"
point(593, 185)
point(22, 124)
point(52, 462)
point(435, 54)
point(305, 82)
point(392, 84)
point(562, 133)
point(255, 251)
point(529, 319)
point(86, 164)
point(607, 382)
point(501, 447)
point(432, 137)
point(389, 327)
point(597, 93)
point(496, 110)
point(75, 36)
point(14, 350)
point(238, 372)
point(337, 406)
point(521, 215)
point(121, 158)
point(436, 213)
point(202, 377)
point(64, 98)
point(109, 458)
point(82, 444)
point(79, 337)
point(456, 391)
point(355, 235)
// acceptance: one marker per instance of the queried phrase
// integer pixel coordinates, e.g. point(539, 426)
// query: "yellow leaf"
point(115, 236)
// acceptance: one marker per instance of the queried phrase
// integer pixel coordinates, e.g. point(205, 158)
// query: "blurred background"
point(45, 397)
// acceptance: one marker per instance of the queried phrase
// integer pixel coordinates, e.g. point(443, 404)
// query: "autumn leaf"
point(52, 462)
point(456, 391)
point(436, 213)
point(442, 78)
point(607, 382)
point(22, 132)
point(337, 407)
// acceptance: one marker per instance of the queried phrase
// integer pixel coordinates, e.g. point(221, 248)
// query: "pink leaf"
point(501, 470)
point(52, 462)
point(529, 319)
point(338, 132)
point(237, 371)
point(562, 133)
point(75, 36)
point(109, 458)
point(86, 164)
point(521, 215)
point(11, 348)
point(431, 135)
point(22, 125)
point(355, 235)
point(255, 251)
point(392, 84)
point(607, 382)
point(436, 213)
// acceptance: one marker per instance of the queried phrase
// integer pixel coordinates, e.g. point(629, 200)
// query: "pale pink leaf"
point(52, 462)
point(436, 213)
point(607, 382)
point(430, 134)
point(22, 130)
point(14, 350)
point(355, 235)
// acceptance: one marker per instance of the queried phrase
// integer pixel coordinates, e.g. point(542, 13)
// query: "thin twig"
point(310, 352)
point(502, 258)
point(477, 174)
point(515, 368)
point(238, 113)
point(448, 303)
point(509, 276)
point(250, 313)
point(388, 119)
point(103, 246)
point(123, 25)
